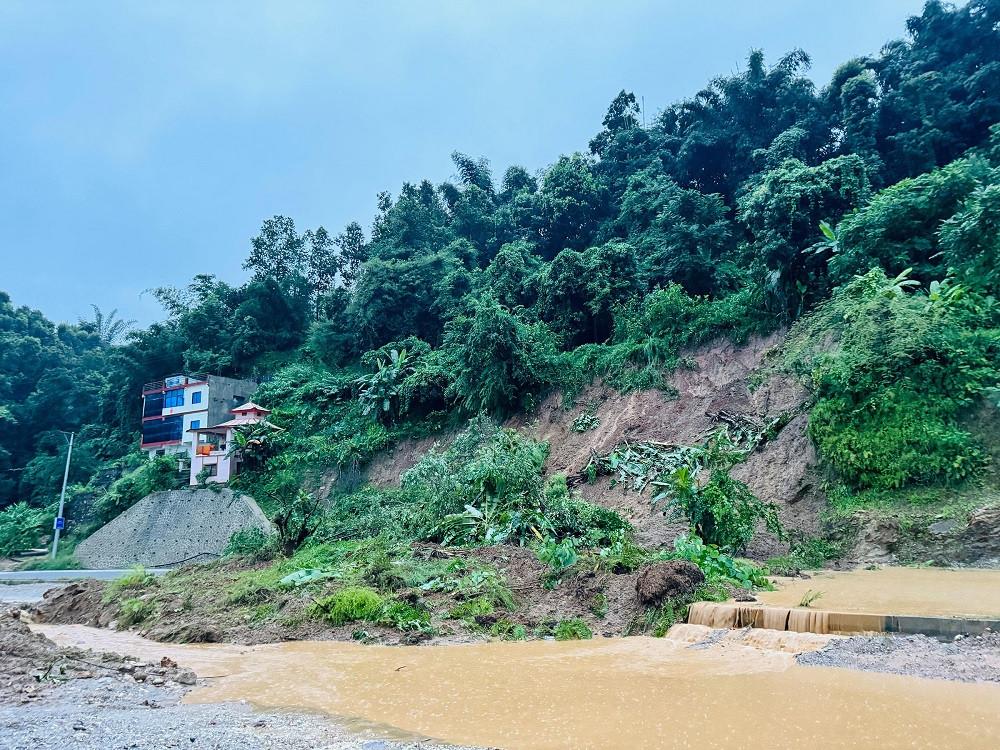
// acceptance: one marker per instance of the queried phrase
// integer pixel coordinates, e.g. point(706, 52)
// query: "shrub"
point(135, 611)
point(348, 605)
point(253, 543)
point(21, 526)
point(892, 370)
point(715, 563)
point(153, 475)
point(508, 630)
point(572, 630)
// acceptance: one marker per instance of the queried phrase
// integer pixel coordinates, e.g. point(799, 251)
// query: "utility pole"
point(60, 519)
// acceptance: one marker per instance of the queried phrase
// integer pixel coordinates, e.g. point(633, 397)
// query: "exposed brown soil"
point(607, 602)
point(386, 469)
point(656, 582)
point(715, 378)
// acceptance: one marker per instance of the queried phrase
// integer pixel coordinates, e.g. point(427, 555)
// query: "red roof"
point(248, 407)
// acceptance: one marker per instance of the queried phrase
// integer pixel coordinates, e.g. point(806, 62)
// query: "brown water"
point(604, 693)
point(931, 592)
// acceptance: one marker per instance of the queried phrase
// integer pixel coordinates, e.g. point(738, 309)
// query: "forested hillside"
point(863, 216)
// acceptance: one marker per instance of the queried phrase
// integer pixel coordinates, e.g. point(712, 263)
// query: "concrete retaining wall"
point(167, 528)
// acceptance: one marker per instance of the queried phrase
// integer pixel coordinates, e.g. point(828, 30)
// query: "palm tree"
point(109, 328)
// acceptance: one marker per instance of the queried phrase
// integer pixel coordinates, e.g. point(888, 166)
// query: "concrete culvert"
point(659, 581)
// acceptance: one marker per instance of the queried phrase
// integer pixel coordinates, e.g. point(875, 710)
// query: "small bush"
point(572, 630)
point(405, 616)
point(466, 610)
point(508, 630)
point(254, 544)
point(348, 605)
point(21, 526)
point(135, 611)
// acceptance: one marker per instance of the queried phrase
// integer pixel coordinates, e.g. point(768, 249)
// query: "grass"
point(354, 604)
point(809, 597)
point(137, 578)
point(62, 561)
point(135, 611)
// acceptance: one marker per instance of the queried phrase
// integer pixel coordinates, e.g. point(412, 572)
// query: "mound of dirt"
point(77, 604)
point(660, 581)
point(31, 665)
point(607, 602)
point(715, 378)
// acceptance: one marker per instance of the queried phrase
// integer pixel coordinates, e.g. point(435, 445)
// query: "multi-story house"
point(214, 457)
point(174, 406)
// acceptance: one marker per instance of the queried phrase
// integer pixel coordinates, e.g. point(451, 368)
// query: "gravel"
point(54, 698)
point(107, 714)
point(973, 659)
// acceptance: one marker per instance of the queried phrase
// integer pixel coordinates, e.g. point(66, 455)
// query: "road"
point(27, 586)
point(48, 576)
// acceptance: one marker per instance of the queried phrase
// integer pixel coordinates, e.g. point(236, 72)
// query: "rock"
point(667, 579)
point(941, 527)
point(186, 677)
point(166, 661)
point(157, 681)
point(140, 676)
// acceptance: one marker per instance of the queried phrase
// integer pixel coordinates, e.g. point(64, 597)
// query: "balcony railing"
point(159, 385)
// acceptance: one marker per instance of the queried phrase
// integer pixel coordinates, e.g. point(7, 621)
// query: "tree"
point(782, 210)
point(622, 115)
point(680, 235)
point(899, 227)
point(353, 252)
point(109, 328)
point(277, 252)
point(570, 207)
point(496, 357)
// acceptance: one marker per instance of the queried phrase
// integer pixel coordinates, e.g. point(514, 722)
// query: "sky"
point(144, 143)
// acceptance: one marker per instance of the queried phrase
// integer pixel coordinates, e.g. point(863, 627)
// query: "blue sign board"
point(60, 523)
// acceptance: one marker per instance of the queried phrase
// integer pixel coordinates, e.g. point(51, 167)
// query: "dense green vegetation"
point(863, 214)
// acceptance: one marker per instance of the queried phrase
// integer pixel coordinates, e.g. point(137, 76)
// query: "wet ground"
point(932, 592)
point(695, 689)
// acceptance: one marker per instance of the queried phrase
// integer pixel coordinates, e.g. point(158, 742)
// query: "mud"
point(606, 693)
point(933, 592)
point(54, 697)
point(673, 578)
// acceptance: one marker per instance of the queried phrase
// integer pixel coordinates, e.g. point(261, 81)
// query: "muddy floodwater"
point(743, 691)
point(929, 592)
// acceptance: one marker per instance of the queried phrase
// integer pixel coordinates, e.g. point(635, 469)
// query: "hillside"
point(771, 312)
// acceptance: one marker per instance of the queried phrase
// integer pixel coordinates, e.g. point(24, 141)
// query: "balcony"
point(155, 386)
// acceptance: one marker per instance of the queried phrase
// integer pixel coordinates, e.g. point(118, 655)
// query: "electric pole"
point(60, 519)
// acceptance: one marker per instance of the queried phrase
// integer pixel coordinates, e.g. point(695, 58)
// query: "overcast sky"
point(142, 143)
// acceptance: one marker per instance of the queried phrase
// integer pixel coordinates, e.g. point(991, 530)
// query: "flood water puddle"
point(930, 592)
point(604, 693)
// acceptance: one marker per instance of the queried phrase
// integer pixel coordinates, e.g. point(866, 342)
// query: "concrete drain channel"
point(824, 622)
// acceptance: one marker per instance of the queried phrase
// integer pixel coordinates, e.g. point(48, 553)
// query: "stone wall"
point(168, 528)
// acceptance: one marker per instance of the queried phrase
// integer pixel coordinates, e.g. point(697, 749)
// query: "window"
point(196, 397)
point(213, 469)
point(152, 405)
point(168, 429)
point(173, 398)
point(195, 424)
